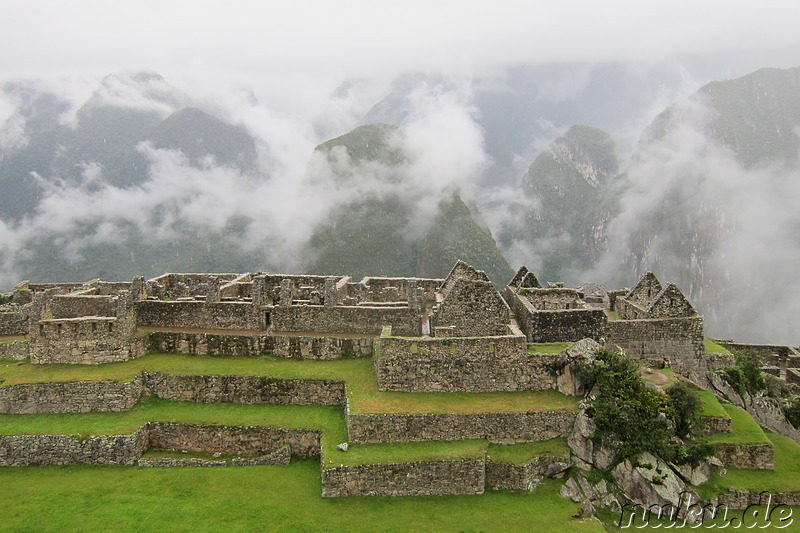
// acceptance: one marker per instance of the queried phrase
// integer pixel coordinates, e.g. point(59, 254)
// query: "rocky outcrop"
point(570, 362)
point(649, 480)
point(592, 495)
point(587, 452)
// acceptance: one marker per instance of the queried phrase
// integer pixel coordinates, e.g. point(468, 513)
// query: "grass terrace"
point(744, 430)
point(712, 347)
point(257, 498)
point(520, 454)
point(785, 477)
point(548, 347)
point(358, 374)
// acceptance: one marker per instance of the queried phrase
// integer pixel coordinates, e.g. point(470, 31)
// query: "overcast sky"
point(292, 44)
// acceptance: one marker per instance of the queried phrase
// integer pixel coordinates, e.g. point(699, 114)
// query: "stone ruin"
point(425, 335)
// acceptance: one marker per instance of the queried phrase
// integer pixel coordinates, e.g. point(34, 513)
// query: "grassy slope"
point(785, 477)
point(123, 499)
point(744, 430)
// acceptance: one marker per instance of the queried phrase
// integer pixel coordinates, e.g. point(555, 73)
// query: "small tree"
point(627, 411)
point(685, 405)
point(745, 375)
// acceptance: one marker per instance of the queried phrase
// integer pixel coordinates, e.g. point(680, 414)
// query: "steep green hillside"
point(570, 185)
point(455, 235)
point(379, 233)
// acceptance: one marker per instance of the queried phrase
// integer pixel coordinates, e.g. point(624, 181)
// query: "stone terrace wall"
point(236, 440)
point(103, 396)
point(245, 389)
point(345, 319)
point(739, 499)
point(496, 427)
point(472, 364)
point(199, 315)
point(294, 347)
point(14, 322)
point(678, 340)
point(500, 475)
point(752, 456)
point(16, 350)
point(36, 450)
point(70, 397)
point(405, 479)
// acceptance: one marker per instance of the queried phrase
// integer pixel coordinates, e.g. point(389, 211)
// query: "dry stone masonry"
point(457, 334)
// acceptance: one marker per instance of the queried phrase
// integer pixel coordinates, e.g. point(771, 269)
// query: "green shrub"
point(745, 375)
point(793, 412)
point(627, 412)
point(685, 404)
point(639, 418)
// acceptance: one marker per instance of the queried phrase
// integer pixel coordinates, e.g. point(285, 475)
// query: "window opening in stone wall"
point(110, 327)
point(267, 318)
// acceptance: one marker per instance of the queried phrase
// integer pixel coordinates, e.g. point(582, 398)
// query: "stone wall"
point(740, 499)
point(712, 425)
point(751, 456)
point(566, 325)
point(85, 341)
point(470, 309)
point(16, 350)
point(405, 479)
point(70, 397)
point(426, 286)
point(472, 364)
point(551, 299)
point(235, 440)
point(496, 427)
point(363, 320)
point(678, 340)
point(555, 325)
point(100, 396)
point(13, 322)
point(74, 306)
point(526, 477)
point(41, 450)
point(291, 346)
point(195, 314)
point(245, 389)
point(253, 441)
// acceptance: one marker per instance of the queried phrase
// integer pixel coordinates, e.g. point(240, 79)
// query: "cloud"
point(727, 235)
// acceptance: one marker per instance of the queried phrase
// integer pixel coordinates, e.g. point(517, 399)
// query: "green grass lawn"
point(397, 452)
point(548, 347)
point(359, 375)
point(260, 498)
point(744, 430)
point(711, 404)
point(785, 477)
point(713, 347)
point(520, 454)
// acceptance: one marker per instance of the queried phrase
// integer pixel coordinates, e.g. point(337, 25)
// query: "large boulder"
point(649, 480)
point(589, 453)
point(569, 364)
